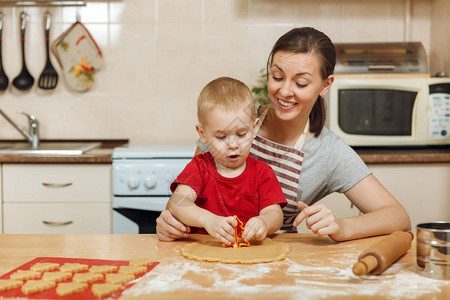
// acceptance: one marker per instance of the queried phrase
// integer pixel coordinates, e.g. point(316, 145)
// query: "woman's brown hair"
point(309, 40)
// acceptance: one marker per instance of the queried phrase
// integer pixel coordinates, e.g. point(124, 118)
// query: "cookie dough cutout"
point(86, 277)
point(56, 276)
point(105, 289)
point(73, 267)
point(8, 284)
point(43, 267)
point(103, 269)
point(258, 252)
point(35, 286)
point(119, 278)
point(140, 262)
point(69, 288)
point(24, 275)
point(134, 270)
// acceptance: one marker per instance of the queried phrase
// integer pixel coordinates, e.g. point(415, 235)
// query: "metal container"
point(384, 58)
point(433, 250)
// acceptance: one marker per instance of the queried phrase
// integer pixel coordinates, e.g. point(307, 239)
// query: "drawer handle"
point(56, 185)
point(56, 224)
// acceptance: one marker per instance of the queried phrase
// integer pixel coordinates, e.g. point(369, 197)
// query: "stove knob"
point(150, 181)
point(133, 183)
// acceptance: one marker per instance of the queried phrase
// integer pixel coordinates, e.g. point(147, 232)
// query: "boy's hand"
point(222, 228)
point(255, 228)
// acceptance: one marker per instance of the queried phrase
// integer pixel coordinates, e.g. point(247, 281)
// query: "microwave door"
point(376, 112)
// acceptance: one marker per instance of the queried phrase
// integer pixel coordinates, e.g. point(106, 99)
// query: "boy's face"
point(229, 136)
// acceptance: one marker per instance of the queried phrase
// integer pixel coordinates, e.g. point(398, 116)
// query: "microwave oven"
point(390, 111)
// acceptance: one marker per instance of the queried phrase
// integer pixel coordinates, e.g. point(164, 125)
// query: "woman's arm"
point(168, 228)
point(382, 214)
point(181, 205)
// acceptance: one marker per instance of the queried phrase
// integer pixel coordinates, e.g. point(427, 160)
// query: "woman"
point(310, 162)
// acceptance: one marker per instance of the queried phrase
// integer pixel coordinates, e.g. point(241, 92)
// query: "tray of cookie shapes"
point(73, 278)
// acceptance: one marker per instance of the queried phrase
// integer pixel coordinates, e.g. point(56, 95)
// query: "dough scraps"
point(258, 252)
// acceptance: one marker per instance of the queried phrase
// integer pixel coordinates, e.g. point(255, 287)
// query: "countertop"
point(369, 155)
point(404, 155)
point(102, 155)
point(314, 268)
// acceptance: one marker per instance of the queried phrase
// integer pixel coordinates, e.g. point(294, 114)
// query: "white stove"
point(141, 184)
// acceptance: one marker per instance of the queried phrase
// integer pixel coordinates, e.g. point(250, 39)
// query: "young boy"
point(224, 182)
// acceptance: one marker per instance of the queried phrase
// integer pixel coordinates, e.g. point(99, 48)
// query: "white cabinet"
point(57, 198)
point(423, 189)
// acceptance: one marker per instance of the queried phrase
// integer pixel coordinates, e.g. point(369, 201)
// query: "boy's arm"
point(269, 221)
point(182, 206)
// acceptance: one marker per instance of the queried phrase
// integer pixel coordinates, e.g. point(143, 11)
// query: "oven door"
point(137, 214)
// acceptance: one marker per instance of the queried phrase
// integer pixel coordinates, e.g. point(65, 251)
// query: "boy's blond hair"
point(227, 93)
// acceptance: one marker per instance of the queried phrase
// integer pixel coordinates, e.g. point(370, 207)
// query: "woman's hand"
point(169, 229)
point(255, 228)
point(319, 219)
point(221, 228)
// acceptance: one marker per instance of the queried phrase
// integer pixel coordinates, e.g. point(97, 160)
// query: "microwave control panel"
point(439, 121)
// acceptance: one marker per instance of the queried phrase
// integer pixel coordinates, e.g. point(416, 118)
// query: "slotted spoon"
point(49, 77)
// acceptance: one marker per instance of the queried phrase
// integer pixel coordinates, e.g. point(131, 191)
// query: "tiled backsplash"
point(158, 54)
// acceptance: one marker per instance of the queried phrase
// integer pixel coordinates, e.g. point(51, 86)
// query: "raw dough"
point(258, 252)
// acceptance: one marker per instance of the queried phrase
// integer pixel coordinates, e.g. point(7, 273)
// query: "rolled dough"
point(258, 252)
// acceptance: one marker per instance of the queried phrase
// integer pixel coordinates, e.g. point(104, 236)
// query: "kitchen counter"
point(372, 155)
point(315, 268)
point(102, 155)
point(369, 155)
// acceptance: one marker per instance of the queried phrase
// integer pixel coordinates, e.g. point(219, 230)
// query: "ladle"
point(4, 81)
point(24, 80)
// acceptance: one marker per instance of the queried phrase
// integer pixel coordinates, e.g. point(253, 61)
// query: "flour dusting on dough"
point(309, 281)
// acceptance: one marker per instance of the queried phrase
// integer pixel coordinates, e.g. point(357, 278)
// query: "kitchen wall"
point(440, 41)
point(158, 54)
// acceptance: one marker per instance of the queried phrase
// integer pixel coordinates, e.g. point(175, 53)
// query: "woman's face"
point(294, 84)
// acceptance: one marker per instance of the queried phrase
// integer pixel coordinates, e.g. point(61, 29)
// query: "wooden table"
point(315, 268)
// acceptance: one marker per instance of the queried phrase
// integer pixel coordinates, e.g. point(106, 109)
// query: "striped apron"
point(286, 162)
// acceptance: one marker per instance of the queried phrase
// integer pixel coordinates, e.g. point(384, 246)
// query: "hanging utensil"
point(49, 77)
point(24, 80)
point(4, 81)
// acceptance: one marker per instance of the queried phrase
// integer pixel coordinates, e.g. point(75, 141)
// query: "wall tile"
point(224, 11)
point(93, 12)
point(265, 11)
point(180, 11)
point(132, 11)
point(158, 55)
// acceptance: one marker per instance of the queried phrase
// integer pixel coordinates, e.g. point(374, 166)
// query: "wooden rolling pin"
point(383, 253)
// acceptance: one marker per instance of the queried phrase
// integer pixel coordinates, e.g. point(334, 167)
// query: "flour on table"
point(304, 280)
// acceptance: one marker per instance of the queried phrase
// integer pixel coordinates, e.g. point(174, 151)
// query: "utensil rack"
point(43, 3)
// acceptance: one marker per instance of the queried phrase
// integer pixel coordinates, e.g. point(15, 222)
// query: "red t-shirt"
point(244, 196)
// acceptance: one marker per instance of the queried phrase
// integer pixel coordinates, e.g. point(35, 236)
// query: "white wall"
point(158, 54)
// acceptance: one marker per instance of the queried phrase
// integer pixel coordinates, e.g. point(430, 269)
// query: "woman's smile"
point(285, 104)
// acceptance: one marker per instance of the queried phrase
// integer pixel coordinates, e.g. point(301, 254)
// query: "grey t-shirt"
point(329, 165)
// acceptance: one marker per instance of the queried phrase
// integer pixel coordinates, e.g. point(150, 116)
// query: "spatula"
point(49, 77)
